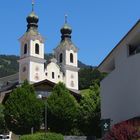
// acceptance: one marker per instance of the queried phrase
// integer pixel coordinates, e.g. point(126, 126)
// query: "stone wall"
point(79, 138)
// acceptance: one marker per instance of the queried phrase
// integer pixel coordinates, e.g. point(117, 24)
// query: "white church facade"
point(63, 67)
point(120, 90)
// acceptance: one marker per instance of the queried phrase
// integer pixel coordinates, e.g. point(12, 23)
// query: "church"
point(63, 67)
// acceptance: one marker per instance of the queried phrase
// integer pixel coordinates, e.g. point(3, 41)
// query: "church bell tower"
point(31, 62)
point(67, 58)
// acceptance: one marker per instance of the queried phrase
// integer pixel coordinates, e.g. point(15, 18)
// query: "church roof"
point(75, 93)
point(47, 85)
point(6, 82)
point(32, 27)
point(67, 44)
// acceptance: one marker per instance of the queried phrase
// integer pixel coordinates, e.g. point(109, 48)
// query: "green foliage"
point(124, 131)
point(42, 136)
point(89, 112)
point(23, 110)
point(8, 65)
point(2, 120)
point(87, 76)
point(62, 110)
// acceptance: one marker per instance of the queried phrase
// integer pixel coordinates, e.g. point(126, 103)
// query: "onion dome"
point(32, 19)
point(66, 30)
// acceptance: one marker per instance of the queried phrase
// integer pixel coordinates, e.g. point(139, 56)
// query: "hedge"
point(42, 136)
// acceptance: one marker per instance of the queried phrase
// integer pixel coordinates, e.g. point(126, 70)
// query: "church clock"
point(24, 72)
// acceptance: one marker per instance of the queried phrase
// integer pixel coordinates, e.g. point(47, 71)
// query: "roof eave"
point(105, 59)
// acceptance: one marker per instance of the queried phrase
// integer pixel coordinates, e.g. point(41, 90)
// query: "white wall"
point(120, 90)
point(68, 58)
point(36, 69)
point(41, 49)
point(71, 76)
point(58, 75)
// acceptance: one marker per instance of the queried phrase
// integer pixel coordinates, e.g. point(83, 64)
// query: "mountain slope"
point(9, 64)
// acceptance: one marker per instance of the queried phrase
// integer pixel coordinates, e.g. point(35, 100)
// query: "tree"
point(23, 110)
point(2, 120)
point(62, 110)
point(89, 116)
point(89, 75)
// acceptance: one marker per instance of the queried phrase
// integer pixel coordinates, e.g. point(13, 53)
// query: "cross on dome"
point(33, 3)
point(66, 18)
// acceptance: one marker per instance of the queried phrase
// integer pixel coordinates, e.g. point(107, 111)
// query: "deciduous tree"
point(89, 116)
point(23, 110)
point(2, 120)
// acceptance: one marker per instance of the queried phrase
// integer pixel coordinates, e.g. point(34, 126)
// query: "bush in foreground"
point(42, 136)
point(123, 131)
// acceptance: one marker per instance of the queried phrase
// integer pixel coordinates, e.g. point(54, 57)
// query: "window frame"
point(36, 48)
point(25, 48)
point(71, 58)
point(53, 75)
point(61, 58)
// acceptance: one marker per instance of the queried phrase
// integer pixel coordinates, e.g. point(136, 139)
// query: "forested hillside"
point(9, 64)
point(87, 74)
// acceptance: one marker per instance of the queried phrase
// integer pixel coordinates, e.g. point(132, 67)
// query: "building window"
point(53, 76)
point(71, 57)
point(37, 48)
point(134, 49)
point(61, 58)
point(25, 48)
point(24, 69)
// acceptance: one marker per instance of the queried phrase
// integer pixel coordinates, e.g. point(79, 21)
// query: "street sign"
point(105, 125)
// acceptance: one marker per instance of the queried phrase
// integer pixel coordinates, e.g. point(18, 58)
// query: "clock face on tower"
point(24, 72)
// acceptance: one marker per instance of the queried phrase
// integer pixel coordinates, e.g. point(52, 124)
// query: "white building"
point(63, 67)
point(120, 90)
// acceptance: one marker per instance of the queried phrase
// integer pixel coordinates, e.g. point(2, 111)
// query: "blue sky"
point(98, 25)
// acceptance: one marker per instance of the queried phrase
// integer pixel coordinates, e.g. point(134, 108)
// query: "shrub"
point(42, 136)
point(123, 131)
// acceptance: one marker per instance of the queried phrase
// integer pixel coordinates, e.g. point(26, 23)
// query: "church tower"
point(66, 55)
point(31, 63)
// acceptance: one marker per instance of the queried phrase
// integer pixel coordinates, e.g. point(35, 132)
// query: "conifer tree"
point(62, 110)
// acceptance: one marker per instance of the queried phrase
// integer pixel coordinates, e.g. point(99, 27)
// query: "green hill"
point(9, 64)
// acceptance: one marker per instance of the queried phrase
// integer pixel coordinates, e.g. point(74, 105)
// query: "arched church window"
point(25, 48)
point(61, 58)
point(71, 57)
point(37, 48)
point(53, 76)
